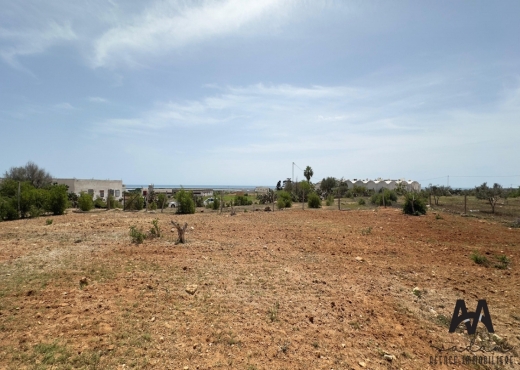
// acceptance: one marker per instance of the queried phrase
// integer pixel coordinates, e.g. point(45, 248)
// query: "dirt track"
point(313, 289)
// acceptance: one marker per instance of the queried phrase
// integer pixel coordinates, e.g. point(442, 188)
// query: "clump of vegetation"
point(186, 204)
point(314, 201)
point(366, 231)
point(215, 205)
point(155, 230)
point(153, 206)
point(502, 262)
point(438, 216)
point(479, 259)
point(515, 224)
point(85, 202)
point(48, 221)
point(199, 201)
point(242, 200)
point(384, 198)
point(284, 199)
point(100, 203)
point(272, 313)
point(330, 200)
point(137, 235)
point(414, 205)
point(492, 195)
point(361, 202)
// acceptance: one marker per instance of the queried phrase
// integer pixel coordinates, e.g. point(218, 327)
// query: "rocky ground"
point(293, 289)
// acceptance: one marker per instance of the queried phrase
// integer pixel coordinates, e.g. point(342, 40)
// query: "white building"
point(96, 188)
point(379, 184)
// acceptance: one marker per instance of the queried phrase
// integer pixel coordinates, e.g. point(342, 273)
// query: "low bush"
point(242, 200)
point(314, 201)
point(361, 202)
point(479, 259)
point(100, 203)
point(85, 202)
point(284, 199)
point(185, 202)
point(57, 199)
point(155, 230)
point(414, 205)
point(386, 196)
point(137, 235)
point(330, 200)
point(215, 205)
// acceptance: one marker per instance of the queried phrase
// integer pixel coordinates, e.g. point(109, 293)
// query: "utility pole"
point(293, 172)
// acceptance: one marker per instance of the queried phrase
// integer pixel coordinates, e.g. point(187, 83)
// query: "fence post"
point(465, 204)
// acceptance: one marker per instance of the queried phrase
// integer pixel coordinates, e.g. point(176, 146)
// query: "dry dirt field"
point(293, 289)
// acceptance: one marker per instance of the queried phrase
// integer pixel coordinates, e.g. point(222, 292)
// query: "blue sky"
point(234, 92)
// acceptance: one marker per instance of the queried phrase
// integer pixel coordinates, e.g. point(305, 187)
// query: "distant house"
point(96, 188)
point(262, 190)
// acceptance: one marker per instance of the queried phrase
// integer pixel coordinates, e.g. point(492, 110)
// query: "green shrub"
point(185, 202)
point(479, 259)
point(361, 202)
point(85, 202)
point(242, 200)
point(8, 210)
point(414, 205)
point(330, 200)
point(215, 205)
point(100, 203)
point(389, 197)
point(113, 202)
point(314, 201)
point(58, 199)
point(155, 230)
point(137, 235)
point(284, 199)
point(502, 262)
point(48, 221)
point(36, 212)
point(199, 201)
point(153, 206)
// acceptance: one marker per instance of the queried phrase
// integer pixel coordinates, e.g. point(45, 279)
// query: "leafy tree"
point(288, 185)
point(492, 195)
point(438, 191)
point(57, 200)
point(327, 184)
point(308, 173)
point(162, 199)
point(38, 177)
point(85, 202)
point(302, 190)
point(314, 201)
point(186, 204)
point(279, 185)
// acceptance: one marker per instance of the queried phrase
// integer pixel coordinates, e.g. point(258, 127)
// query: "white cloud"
point(171, 24)
point(97, 99)
point(32, 41)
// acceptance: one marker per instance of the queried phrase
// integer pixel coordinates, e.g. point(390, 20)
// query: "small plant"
point(137, 235)
point(438, 217)
point(153, 206)
point(361, 202)
point(155, 230)
point(479, 259)
point(272, 313)
point(502, 262)
point(315, 344)
point(515, 224)
point(366, 231)
point(48, 221)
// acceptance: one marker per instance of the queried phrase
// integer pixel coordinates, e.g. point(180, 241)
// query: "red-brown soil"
point(313, 289)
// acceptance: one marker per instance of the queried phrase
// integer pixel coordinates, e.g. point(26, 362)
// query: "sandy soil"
point(313, 289)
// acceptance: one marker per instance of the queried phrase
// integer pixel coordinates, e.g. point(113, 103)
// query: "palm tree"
point(308, 173)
